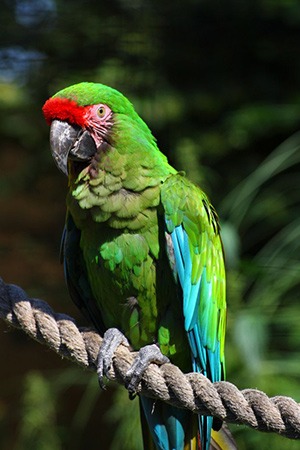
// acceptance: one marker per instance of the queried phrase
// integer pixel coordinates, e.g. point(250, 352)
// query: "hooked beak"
point(70, 141)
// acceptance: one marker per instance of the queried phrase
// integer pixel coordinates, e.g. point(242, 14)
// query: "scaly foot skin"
point(111, 340)
point(146, 355)
point(149, 354)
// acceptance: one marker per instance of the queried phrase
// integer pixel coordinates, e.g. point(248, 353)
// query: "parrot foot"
point(146, 355)
point(111, 340)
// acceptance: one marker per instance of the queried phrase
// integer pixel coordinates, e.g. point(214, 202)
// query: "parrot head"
point(82, 118)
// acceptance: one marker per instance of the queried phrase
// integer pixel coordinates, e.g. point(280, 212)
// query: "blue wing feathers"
point(190, 311)
point(199, 356)
point(195, 254)
point(200, 313)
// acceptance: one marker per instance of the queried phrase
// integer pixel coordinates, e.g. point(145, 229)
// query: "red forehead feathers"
point(64, 109)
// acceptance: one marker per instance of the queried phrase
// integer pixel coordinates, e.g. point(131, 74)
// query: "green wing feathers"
point(199, 262)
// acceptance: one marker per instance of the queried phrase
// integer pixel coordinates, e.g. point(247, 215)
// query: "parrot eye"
point(101, 112)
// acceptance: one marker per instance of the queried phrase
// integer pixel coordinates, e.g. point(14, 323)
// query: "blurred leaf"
point(38, 427)
point(237, 204)
point(124, 414)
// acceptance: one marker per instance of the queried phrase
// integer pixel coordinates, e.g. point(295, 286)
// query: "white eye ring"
point(101, 111)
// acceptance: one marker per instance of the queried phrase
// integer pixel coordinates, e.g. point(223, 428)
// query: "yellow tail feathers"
point(222, 440)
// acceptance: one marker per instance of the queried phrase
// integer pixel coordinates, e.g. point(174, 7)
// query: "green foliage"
point(38, 424)
point(263, 276)
point(127, 425)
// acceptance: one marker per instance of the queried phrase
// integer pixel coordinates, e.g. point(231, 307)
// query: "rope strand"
point(191, 391)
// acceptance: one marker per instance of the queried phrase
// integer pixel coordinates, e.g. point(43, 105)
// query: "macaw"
point(142, 249)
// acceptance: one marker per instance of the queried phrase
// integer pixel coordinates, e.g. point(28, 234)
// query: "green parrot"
point(142, 252)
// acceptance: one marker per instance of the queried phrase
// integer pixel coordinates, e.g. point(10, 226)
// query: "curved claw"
point(111, 340)
point(146, 355)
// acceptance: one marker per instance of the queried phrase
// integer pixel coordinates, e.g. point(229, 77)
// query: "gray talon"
point(111, 340)
point(146, 355)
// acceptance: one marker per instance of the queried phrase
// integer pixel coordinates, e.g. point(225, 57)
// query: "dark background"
point(218, 82)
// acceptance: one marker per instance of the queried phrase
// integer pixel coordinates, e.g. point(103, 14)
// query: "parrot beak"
point(70, 142)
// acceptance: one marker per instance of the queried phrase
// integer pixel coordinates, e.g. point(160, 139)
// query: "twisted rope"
point(192, 391)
